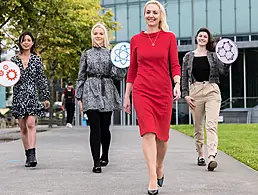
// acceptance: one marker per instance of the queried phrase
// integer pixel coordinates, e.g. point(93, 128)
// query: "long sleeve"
point(132, 71)
point(173, 57)
point(184, 79)
point(223, 68)
point(81, 76)
point(42, 81)
point(118, 73)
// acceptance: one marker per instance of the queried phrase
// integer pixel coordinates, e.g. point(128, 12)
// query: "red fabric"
point(152, 88)
point(65, 90)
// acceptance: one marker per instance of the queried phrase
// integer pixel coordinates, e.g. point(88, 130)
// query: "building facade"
point(234, 19)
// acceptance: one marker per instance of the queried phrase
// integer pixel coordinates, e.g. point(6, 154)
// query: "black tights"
point(99, 134)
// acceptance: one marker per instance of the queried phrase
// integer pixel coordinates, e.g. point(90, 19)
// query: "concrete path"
point(65, 166)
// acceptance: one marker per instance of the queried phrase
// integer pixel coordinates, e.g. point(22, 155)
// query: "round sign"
point(120, 55)
point(227, 51)
point(9, 73)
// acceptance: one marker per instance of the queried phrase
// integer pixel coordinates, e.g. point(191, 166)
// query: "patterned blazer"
point(217, 68)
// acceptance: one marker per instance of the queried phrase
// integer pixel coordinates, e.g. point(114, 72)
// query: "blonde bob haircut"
point(106, 41)
point(163, 16)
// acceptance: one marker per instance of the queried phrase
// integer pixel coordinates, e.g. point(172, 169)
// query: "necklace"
point(153, 43)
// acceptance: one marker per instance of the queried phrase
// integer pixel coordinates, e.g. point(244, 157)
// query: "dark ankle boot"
point(32, 157)
point(26, 154)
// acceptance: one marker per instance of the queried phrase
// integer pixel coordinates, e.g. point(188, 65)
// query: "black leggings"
point(70, 108)
point(99, 134)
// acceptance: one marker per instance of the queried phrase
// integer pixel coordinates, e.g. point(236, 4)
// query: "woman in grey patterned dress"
point(97, 94)
point(26, 105)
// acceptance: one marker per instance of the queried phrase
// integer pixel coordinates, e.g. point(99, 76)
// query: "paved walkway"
point(65, 168)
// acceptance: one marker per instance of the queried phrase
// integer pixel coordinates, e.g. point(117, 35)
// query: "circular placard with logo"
point(227, 51)
point(9, 73)
point(120, 55)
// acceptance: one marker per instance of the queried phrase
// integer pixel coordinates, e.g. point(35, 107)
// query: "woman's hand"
point(190, 101)
point(47, 104)
point(127, 105)
point(177, 92)
point(80, 105)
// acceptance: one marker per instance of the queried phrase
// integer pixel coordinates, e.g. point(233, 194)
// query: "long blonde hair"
point(106, 41)
point(163, 16)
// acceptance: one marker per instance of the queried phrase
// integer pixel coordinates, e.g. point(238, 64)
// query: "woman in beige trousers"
point(201, 70)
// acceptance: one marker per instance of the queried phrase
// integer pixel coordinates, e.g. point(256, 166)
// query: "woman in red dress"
point(153, 55)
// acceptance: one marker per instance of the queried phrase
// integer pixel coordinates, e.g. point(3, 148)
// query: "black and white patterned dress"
point(95, 86)
point(26, 91)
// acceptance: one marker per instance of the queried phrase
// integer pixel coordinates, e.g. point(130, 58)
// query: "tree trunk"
point(52, 93)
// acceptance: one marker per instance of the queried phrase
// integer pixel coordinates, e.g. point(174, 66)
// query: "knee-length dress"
point(152, 87)
point(26, 91)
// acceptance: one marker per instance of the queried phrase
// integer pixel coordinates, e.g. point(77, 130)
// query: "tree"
point(63, 31)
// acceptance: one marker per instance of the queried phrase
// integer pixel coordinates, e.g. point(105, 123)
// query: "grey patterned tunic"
point(94, 85)
point(25, 91)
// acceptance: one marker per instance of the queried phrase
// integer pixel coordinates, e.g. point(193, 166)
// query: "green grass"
point(237, 140)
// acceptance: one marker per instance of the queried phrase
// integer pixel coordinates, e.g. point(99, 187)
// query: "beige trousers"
point(207, 100)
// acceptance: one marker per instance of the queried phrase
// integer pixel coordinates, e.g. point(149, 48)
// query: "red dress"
point(149, 74)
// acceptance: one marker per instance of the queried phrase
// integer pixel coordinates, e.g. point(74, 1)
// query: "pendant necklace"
point(153, 43)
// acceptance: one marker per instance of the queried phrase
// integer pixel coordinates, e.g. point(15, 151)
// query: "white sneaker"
point(68, 125)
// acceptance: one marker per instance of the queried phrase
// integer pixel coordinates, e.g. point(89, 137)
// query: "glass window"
point(228, 17)
point(242, 16)
point(252, 72)
point(173, 17)
point(254, 15)
point(121, 17)
point(143, 23)
point(121, 1)
point(185, 19)
point(214, 16)
point(199, 15)
point(105, 2)
point(134, 20)
point(238, 81)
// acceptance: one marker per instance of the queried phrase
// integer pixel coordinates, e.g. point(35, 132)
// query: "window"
point(143, 23)
point(199, 15)
point(134, 20)
point(186, 42)
point(121, 17)
point(214, 16)
point(242, 16)
point(185, 19)
point(106, 2)
point(228, 17)
point(121, 1)
point(173, 16)
point(242, 38)
point(254, 37)
point(254, 16)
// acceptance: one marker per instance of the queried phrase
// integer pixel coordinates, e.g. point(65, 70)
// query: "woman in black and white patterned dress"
point(97, 94)
point(26, 105)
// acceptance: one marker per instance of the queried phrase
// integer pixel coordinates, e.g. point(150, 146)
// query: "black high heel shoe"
point(96, 170)
point(153, 192)
point(104, 163)
point(160, 181)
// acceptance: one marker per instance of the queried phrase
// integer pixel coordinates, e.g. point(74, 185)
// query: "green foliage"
point(237, 140)
point(62, 29)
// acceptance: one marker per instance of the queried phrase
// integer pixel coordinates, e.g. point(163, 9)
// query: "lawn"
point(237, 140)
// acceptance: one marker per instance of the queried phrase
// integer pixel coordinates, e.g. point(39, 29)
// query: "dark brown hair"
point(210, 45)
point(21, 39)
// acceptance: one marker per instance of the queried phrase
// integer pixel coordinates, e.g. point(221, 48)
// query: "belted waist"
point(103, 92)
point(100, 76)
